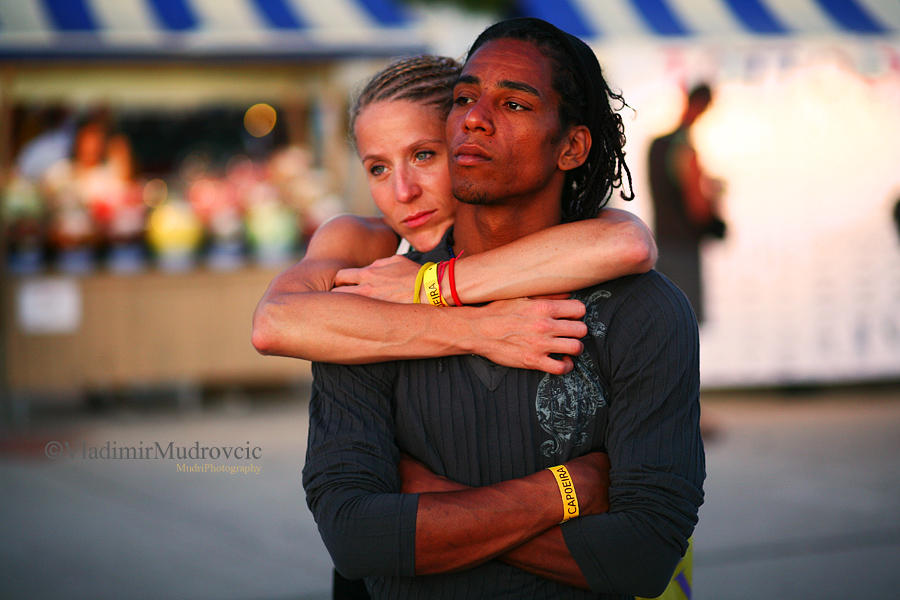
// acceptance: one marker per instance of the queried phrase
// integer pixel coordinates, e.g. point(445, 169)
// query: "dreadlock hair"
point(425, 79)
point(584, 99)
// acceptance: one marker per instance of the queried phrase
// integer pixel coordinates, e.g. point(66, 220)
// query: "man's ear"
point(575, 148)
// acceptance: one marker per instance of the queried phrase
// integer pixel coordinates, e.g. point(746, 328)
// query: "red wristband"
point(452, 278)
point(442, 266)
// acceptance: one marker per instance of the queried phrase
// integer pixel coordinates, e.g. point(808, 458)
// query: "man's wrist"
point(566, 491)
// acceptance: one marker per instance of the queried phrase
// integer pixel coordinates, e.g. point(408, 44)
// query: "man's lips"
point(470, 154)
point(418, 219)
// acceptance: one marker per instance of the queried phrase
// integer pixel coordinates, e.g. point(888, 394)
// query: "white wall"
point(806, 287)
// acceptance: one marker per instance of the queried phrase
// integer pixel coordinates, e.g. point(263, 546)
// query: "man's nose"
point(479, 118)
point(406, 186)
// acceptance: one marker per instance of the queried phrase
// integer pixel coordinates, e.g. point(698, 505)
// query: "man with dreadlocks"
point(502, 488)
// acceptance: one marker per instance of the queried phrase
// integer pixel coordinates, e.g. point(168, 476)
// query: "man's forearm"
point(545, 555)
point(548, 556)
point(457, 530)
point(460, 529)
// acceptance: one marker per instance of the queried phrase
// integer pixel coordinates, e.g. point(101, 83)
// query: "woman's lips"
point(418, 219)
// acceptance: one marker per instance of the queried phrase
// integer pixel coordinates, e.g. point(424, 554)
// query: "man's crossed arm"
point(371, 527)
point(516, 521)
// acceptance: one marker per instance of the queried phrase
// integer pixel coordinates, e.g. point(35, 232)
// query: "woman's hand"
point(525, 332)
point(391, 279)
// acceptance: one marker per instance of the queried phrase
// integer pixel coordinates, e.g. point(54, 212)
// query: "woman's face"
point(402, 148)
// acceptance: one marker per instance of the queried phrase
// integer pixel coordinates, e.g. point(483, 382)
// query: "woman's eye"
point(423, 155)
point(376, 170)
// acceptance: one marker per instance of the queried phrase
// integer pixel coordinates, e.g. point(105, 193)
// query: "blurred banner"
point(352, 27)
point(601, 20)
point(159, 29)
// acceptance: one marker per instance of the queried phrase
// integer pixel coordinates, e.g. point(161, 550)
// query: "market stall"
point(161, 162)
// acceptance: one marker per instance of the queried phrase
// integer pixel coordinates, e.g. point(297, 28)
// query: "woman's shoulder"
point(369, 235)
point(352, 227)
point(356, 224)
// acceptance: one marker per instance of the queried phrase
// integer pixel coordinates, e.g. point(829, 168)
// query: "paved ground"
point(803, 501)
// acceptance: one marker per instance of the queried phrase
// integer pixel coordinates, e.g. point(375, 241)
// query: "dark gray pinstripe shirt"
point(634, 394)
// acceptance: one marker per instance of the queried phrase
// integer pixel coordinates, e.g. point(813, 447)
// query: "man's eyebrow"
point(504, 83)
point(518, 85)
point(467, 79)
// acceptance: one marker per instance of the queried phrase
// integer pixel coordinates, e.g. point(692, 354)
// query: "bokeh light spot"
point(155, 192)
point(259, 120)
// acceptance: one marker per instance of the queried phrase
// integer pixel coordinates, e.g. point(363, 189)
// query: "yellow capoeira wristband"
point(419, 277)
point(566, 491)
point(433, 286)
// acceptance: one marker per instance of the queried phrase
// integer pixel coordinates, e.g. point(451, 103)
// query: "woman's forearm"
point(351, 329)
point(298, 317)
point(560, 259)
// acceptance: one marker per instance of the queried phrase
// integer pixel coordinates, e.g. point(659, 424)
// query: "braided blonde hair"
point(425, 78)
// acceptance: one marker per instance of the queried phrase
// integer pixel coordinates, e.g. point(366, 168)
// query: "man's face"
point(503, 131)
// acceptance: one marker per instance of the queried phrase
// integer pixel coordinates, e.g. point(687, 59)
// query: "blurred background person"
point(71, 186)
point(120, 210)
point(50, 146)
point(897, 216)
point(685, 202)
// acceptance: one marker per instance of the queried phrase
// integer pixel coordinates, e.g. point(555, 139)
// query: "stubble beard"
point(468, 193)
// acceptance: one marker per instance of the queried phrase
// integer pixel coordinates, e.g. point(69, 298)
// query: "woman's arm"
point(298, 317)
point(281, 322)
point(342, 242)
point(559, 259)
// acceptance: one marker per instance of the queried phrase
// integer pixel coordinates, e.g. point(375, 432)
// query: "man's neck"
point(481, 227)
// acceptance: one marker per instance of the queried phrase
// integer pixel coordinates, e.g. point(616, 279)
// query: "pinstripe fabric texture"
point(480, 423)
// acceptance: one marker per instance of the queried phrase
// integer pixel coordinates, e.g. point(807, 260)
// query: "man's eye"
point(515, 105)
point(423, 155)
point(461, 100)
point(376, 170)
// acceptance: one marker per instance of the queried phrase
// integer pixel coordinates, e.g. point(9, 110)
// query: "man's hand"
point(524, 333)
point(390, 279)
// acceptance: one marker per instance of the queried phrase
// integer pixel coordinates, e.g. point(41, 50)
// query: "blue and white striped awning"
point(159, 29)
point(611, 19)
